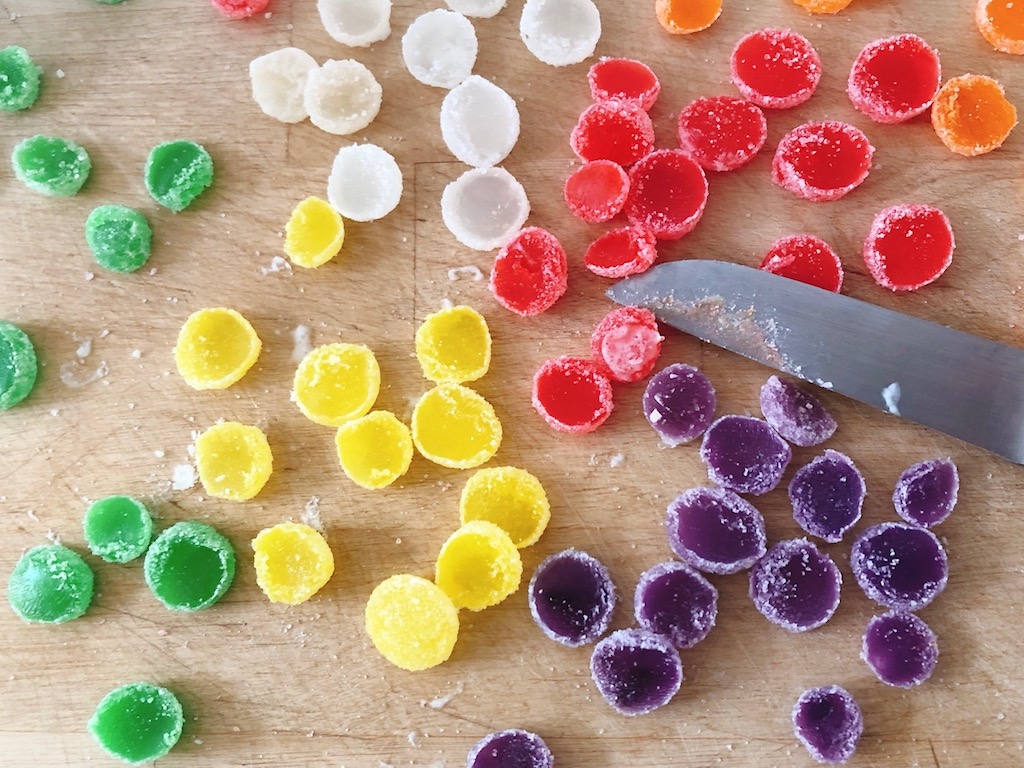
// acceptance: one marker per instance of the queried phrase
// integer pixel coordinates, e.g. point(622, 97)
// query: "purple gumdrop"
point(675, 601)
point(636, 671)
point(900, 566)
point(513, 748)
point(829, 723)
point(827, 496)
point(745, 454)
point(572, 597)
point(901, 649)
point(796, 585)
point(795, 414)
point(926, 492)
point(715, 530)
point(679, 403)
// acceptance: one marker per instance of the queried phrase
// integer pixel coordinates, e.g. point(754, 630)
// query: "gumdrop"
point(572, 598)
point(900, 566)
point(745, 454)
point(484, 208)
point(572, 395)
point(357, 23)
point(776, 68)
point(895, 79)
point(455, 427)
point(796, 585)
point(909, 246)
point(278, 83)
point(829, 723)
point(822, 161)
point(1001, 22)
point(622, 252)
point(479, 122)
point(806, 258)
point(675, 601)
point(478, 566)
point(636, 671)
point(365, 183)
point(795, 414)
point(926, 493)
point(342, 97)
point(512, 748)
point(560, 32)
point(626, 344)
point(439, 48)
point(715, 530)
point(722, 133)
point(901, 649)
point(827, 496)
point(972, 115)
point(596, 191)
point(684, 17)
point(530, 273)
point(679, 403)
point(616, 130)
point(667, 195)
point(624, 79)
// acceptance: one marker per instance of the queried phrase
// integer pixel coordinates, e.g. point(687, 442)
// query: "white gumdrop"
point(484, 208)
point(560, 32)
point(481, 9)
point(356, 22)
point(365, 183)
point(279, 81)
point(440, 48)
point(479, 122)
point(342, 96)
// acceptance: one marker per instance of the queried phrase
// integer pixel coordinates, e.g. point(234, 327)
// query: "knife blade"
point(966, 386)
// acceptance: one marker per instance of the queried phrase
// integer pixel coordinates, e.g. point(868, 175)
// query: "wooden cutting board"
point(270, 685)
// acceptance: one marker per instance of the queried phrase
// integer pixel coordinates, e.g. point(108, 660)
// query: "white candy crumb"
point(311, 514)
point(891, 396)
point(616, 461)
point(342, 97)
point(277, 264)
point(439, 48)
point(442, 701)
point(159, 453)
point(55, 412)
point(479, 122)
point(484, 208)
point(183, 477)
point(365, 183)
point(446, 303)
point(32, 515)
point(59, 74)
point(278, 83)
point(84, 348)
point(71, 373)
point(136, 353)
point(54, 538)
point(473, 273)
point(357, 23)
point(301, 343)
point(413, 738)
point(89, 276)
point(560, 32)
point(197, 742)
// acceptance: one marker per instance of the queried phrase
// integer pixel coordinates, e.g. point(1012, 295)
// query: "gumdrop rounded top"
point(679, 403)
point(827, 495)
point(479, 122)
point(50, 584)
point(627, 343)
point(19, 366)
point(909, 247)
point(411, 622)
point(668, 192)
point(365, 183)
point(177, 172)
point(900, 648)
point(722, 133)
point(439, 48)
point(828, 722)
point(776, 68)
point(137, 723)
point(572, 597)
point(560, 32)
point(972, 115)
point(745, 454)
point(796, 585)
point(118, 528)
point(677, 602)
point(512, 748)
point(795, 414)
point(616, 130)
point(530, 272)
point(715, 530)
point(926, 492)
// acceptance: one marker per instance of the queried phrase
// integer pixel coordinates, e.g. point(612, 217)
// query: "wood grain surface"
point(269, 685)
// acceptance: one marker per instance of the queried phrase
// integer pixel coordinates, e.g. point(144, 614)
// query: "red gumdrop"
point(596, 191)
point(895, 79)
point(806, 258)
point(622, 252)
point(530, 273)
point(722, 133)
point(822, 161)
point(240, 9)
point(626, 79)
point(776, 68)
point(572, 394)
point(614, 130)
point(667, 194)
point(626, 344)
point(909, 246)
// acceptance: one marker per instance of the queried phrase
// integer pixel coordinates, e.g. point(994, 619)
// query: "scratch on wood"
point(935, 757)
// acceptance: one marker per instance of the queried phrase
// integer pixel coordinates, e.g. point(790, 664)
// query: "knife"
point(963, 385)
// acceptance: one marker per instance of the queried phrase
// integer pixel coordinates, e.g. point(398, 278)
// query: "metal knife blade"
point(968, 387)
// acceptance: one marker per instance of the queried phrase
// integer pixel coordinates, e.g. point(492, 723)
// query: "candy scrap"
point(636, 671)
point(530, 273)
point(118, 528)
point(827, 495)
point(616, 130)
point(481, 9)
point(1002, 24)
point(512, 748)
point(336, 383)
point(215, 348)
point(829, 723)
point(626, 344)
point(137, 723)
point(50, 584)
point(572, 597)
point(453, 345)
point(684, 17)
point(745, 454)
point(478, 566)
point(484, 208)
point(234, 460)
point(439, 48)
point(722, 133)
point(715, 530)
point(796, 585)
point(677, 602)
point(560, 32)
point(667, 194)
point(19, 79)
point(314, 234)
point(895, 79)
point(479, 122)
point(455, 427)
point(795, 414)
point(293, 562)
point(900, 566)
point(776, 68)
point(901, 649)
point(679, 403)
point(278, 82)
point(51, 166)
point(926, 492)
point(119, 238)
point(411, 622)
point(342, 97)
point(622, 252)
point(805, 258)
point(572, 395)
point(357, 23)
point(822, 161)
point(18, 365)
point(189, 566)
point(177, 172)
point(365, 182)
point(909, 247)
point(240, 9)
point(625, 80)
point(511, 498)
point(972, 115)
point(823, 6)
point(374, 450)
point(596, 191)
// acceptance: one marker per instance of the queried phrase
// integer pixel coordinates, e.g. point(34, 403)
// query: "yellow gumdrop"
point(292, 562)
point(314, 234)
point(478, 566)
point(412, 622)
point(374, 450)
point(234, 460)
point(509, 497)
point(336, 383)
point(215, 348)
point(455, 427)
point(454, 345)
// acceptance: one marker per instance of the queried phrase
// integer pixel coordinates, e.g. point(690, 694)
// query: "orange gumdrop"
point(823, 6)
point(1002, 24)
point(682, 17)
point(972, 115)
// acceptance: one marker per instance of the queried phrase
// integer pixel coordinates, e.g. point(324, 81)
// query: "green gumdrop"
point(50, 584)
point(118, 528)
point(18, 365)
point(190, 566)
point(177, 172)
point(119, 237)
point(51, 165)
point(19, 79)
point(138, 722)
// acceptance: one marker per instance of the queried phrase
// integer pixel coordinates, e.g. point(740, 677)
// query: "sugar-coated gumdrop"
point(512, 748)
point(895, 79)
point(479, 122)
point(900, 566)
point(292, 561)
point(667, 194)
point(776, 68)
point(624, 79)
point(597, 190)
point(827, 495)
point(357, 23)
point(560, 32)
point(51, 166)
point(18, 365)
point(240, 9)
point(233, 460)
point(453, 345)
point(822, 161)
point(137, 723)
point(1002, 24)
point(806, 258)
point(909, 246)
point(19, 79)
point(480, 9)
point(926, 492)
point(530, 273)
point(683, 17)
point(622, 252)
point(901, 649)
point(636, 671)
point(365, 182)
point(823, 6)
point(972, 115)
point(484, 208)
point(177, 172)
point(796, 585)
point(572, 394)
point(679, 403)
point(439, 48)
point(829, 723)
point(117, 528)
point(675, 601)
point(626, 344)
point(715, 530)
point(50, 584)
point(722, 133)
point(189, 566)
point(342, 97)
point(215, 348)
point(455, 427)
point(572, 597)
point(478, 566)
point(336, 383)
point(412, 622)
point(119, 237)
point(374, 450)
point(616, 130)
point(314, 233)
point(511, 498)
point(795, 414)
point(745, 454)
